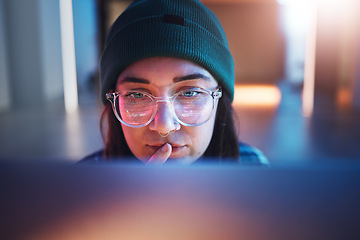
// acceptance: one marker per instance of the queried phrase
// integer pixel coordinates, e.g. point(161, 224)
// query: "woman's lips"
point(153, 148)
point(175, 148)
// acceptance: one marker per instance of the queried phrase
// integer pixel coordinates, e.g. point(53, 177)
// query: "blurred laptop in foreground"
point(109, 201)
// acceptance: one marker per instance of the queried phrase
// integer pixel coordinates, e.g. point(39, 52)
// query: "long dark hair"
point(223, 145)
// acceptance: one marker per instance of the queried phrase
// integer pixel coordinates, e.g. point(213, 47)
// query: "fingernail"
point(165, 148)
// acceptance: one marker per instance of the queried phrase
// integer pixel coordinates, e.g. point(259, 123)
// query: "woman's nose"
point(164, 120)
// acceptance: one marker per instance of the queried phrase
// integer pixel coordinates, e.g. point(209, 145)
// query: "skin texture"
point(163, 77)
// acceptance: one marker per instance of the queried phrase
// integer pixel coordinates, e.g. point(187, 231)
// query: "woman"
point(167, 84)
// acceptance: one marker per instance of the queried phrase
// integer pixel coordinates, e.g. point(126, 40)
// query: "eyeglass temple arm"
point(110, 96)
point(217, 93)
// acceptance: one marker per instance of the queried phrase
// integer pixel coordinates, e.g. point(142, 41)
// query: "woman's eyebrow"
point(175, 80)
point(191, 77)
point(133, 80)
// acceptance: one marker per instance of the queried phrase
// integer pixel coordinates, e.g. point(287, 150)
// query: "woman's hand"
point(161, 155)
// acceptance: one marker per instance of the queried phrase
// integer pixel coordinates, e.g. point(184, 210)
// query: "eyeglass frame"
point(112, 96)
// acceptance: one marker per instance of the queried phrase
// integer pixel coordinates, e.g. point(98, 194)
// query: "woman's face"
point(163, 77)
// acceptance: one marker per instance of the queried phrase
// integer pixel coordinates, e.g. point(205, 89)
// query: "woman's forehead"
point(164, 69)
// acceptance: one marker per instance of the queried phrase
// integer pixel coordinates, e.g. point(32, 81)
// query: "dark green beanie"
point(183, 29)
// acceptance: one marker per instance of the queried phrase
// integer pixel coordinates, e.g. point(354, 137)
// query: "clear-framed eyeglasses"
point(190, 107)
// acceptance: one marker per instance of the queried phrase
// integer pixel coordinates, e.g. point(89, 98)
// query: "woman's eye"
point(190, 93)
point(134, 95)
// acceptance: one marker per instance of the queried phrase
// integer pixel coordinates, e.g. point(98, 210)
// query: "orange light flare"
point(344, 98)
point(254, 95)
